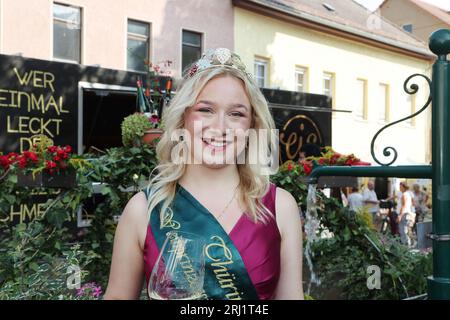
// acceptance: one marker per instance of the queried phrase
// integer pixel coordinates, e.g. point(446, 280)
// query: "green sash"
point(226, 277)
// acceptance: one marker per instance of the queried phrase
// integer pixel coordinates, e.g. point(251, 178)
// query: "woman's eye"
point(205, 110)
point(237, 114)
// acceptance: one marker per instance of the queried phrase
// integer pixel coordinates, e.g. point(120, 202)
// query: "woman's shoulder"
point(288, 212)
point(134, 215)
point(137, 202)
point(285, 203)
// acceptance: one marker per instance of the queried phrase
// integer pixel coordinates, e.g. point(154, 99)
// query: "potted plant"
point(134, 128)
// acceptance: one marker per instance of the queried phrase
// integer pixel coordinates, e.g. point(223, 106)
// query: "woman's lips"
point(216, 145)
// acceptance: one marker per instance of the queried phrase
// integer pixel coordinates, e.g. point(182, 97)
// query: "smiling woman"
point(251, 228)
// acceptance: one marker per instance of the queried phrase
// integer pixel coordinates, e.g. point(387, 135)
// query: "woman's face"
point(217, 122)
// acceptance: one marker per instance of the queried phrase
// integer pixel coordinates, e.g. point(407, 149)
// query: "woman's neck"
point(199, 176)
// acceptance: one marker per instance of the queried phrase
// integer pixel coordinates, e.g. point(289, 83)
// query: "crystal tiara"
point(220, 57)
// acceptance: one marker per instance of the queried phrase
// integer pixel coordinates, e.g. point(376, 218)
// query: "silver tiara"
point(220, 57)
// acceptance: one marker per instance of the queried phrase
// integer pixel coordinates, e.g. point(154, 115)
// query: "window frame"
point(258, 60)
point(201, 34)
point(412, 108)
point(305, 70)
point(332, 77)
point(387, 102)
point(138, 37)
point(365, 99)
point(62, 21)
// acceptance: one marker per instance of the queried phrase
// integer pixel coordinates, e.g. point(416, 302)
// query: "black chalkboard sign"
point(301, 118)
point(43, 97)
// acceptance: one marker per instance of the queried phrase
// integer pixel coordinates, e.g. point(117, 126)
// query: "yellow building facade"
point(361, 78)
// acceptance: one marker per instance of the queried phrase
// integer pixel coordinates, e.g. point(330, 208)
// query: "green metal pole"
point(439, 282)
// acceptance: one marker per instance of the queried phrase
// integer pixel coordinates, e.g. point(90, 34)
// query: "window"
point(261, 67)
point(66, 32)
point(138, 45)
point(408, 27)
point(191, 48)
point(301, 79)
point(328, 84)
point(361, 99)
point(411, 108)
point(383, 103)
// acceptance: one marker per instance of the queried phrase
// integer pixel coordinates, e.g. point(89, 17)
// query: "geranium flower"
point(307, 168)
point(290, 166)
point(52, 149)
point(5, 162)
point(50, 165)
point(22, 162)
point(33, 157)
point(154, 119)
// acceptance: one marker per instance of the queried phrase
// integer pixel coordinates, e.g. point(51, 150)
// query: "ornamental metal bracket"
point(412, 89)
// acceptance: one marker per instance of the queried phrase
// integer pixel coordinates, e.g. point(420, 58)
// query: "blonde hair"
point(253, 184)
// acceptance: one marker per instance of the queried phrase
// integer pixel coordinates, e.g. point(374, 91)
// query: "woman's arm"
point(402, 209)
point(290, 286)
point(127, 266)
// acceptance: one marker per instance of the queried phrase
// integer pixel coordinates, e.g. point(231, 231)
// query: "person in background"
point(420, 199)
point(355, 200)
point(371, 200)
point(405, 214)
point(309, 150)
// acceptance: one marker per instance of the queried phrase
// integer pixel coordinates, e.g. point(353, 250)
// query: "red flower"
point(12, 157)
point(52, 149)
point(321, 161)
point(50, 165)
point(60, 152)
point(154, 119)
point(5, 162)
point(68, 149)
point(290, 167)
point(33, 157)
point(22, 162)
point(63, 165)
point(56, 158)
point(307, 168)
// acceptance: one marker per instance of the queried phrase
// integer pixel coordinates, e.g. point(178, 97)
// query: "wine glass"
point(179, 271)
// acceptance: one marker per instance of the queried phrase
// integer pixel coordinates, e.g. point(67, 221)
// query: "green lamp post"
point(439, 282)
point(439, 171)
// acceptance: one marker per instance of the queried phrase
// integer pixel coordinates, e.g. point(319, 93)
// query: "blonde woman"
point(209, 183)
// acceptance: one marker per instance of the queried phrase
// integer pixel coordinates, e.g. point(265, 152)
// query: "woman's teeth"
point(217, 144)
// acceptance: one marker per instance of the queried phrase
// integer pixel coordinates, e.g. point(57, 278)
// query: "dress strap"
point(269, 199)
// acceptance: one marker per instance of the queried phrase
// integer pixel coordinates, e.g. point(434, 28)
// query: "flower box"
point(44, 179)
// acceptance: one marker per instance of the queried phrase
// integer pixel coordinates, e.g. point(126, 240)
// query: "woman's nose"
point(219, 123)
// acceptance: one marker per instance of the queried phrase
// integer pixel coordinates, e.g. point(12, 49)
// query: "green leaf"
point(106, 190)
point(34, 266)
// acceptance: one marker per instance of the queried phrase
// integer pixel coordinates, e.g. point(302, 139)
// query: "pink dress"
point(258, 244)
